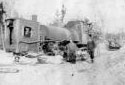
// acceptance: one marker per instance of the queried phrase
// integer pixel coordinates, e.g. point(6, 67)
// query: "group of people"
point(68, 50)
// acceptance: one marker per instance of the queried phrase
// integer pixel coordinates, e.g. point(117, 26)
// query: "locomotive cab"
point(21, 35)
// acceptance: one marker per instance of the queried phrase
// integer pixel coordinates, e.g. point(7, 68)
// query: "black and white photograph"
point(62, 42)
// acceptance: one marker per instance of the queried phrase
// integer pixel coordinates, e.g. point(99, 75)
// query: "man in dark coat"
point(71, 52)
point(91, 47)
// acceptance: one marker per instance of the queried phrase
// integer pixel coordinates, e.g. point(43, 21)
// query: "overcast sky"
point(110, 14)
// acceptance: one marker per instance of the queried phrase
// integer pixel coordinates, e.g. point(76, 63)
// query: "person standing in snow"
point(71, 52)
point(91, 48)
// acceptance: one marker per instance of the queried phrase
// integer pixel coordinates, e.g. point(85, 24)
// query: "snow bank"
point(100, 49)
point(25, 60)
point(58, 59)
point(6, 58)
point(122, 49)
point(34, 75)
point(109, 68)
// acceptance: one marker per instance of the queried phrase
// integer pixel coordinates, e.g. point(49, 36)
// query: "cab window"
point(27, 32)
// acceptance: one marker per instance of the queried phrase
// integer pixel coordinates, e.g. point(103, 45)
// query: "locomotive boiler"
point(54, 33)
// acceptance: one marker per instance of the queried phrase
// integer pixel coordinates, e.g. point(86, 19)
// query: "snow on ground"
point(108, 69)
point(46, 74)
point(6, 58)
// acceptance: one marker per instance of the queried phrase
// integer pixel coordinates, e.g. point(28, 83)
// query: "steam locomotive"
point(27, 35)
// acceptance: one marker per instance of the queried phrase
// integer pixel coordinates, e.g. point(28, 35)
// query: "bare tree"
point(63, 13)
point(92, 29)
point(9, 7)
point(59, 16)
point(56, 21)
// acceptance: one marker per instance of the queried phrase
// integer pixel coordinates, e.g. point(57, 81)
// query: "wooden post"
point(16, 29)
point(2, 37)
point(2, 12)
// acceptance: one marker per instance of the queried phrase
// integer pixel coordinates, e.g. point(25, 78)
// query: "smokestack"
point(34, 17)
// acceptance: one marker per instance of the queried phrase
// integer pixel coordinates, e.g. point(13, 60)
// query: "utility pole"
point(2, 12)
